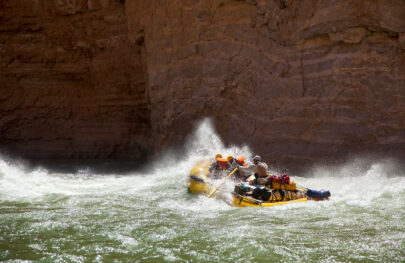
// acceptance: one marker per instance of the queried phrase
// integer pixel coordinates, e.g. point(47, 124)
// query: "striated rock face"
point(298, 81)
point(72, 84)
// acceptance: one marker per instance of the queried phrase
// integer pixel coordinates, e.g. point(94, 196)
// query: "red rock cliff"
point(298, 81)
point(72, 83)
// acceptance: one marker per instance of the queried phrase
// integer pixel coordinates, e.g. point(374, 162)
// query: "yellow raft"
point(246, 201)
point(273, 196)
point(199, 183)
point(198, 179)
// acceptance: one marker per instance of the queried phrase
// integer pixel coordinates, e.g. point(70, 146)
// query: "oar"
point(213, 192)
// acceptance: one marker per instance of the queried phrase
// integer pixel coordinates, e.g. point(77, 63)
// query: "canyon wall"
point(72, 84)
point(297, 81)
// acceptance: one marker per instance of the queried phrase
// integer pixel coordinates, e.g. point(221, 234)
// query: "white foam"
point(167, 179)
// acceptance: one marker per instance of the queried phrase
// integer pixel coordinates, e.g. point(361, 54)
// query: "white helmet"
point(257, 158)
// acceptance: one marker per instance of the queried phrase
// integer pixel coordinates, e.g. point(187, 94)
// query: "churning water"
point(150, 217)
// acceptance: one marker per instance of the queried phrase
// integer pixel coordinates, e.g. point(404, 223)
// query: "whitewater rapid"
point(150, 216)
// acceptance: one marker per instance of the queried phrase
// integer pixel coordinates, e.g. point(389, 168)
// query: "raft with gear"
point(245, 195)
point(274, 190)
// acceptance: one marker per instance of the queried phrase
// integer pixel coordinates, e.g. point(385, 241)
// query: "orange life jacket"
point(222, 163)
point(241, 161)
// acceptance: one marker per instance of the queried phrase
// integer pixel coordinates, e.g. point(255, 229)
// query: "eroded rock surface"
point(72, 83)
point(298, 81)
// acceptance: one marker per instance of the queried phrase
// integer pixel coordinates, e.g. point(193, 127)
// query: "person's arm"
point(250, 169)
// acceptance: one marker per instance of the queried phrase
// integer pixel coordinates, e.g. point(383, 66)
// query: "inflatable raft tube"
point(245, 201)
point(198, 179)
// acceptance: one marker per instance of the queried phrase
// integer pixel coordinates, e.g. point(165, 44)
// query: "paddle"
point(213, 192)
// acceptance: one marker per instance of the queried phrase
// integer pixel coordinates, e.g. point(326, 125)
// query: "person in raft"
point(253, 168)
point(261, 176)
point(219, 167)
point(232, 162)
point(235, 163)
point(241, 161)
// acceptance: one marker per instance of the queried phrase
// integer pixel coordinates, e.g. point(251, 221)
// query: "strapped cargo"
point(281, 182)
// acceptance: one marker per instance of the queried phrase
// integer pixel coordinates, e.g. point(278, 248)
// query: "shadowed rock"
point(298, 81)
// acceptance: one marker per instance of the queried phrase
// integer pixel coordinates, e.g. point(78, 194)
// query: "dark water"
point(150, 217)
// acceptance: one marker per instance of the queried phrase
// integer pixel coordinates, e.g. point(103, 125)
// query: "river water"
point(149, 216)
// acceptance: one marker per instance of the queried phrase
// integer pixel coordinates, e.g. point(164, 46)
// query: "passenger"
point(260, 179)
point(241, 161)
point(219, 167)
point(251, 169)
point(232, 162)
point(214, 164)
point(261, 176)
